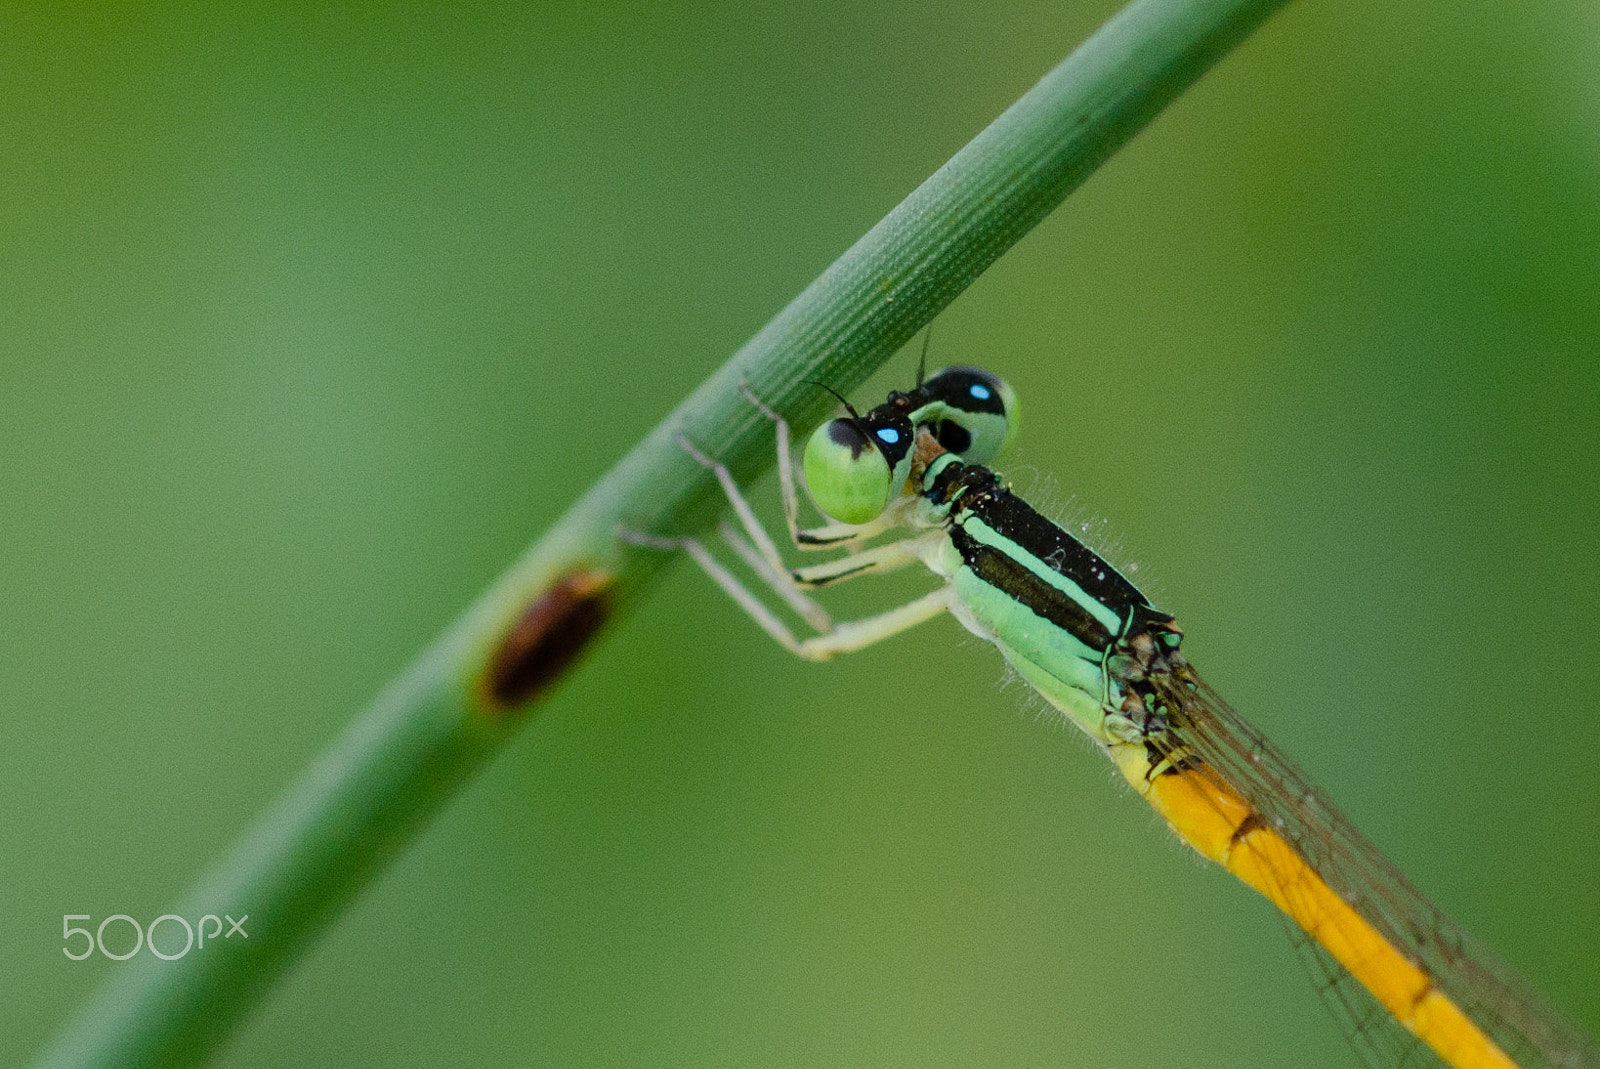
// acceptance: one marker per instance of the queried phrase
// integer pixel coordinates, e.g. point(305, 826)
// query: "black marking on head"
point(850, 433)
point(970, 389)
point(886, 428)
point(544, 641)
point(890, 430)
point(854, 418)
point(953, 436)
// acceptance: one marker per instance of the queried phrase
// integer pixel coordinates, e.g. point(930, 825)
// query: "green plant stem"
point(458, 703)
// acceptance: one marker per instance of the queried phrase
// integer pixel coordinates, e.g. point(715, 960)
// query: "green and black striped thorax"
point(1007, 543)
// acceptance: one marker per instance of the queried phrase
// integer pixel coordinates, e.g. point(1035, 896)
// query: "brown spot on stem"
point(549, 635)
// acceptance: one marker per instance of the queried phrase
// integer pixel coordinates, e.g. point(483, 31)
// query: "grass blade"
point(459, 701)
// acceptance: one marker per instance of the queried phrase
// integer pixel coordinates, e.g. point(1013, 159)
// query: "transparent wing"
point(1490, 992)
point(1377, 1038)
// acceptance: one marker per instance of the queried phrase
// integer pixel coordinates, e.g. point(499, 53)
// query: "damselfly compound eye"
point(856, 465)
point(971, 412)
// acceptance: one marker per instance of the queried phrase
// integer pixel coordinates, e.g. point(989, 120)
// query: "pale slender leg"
point(845, 637)
point(788, 585)
point(782, 582)
point(839, 535)
point(885, 558)
point(838, 638)
point(828, 536)
point(854, 635)
point(791, 501)
point(761, 554)
point(741, 507)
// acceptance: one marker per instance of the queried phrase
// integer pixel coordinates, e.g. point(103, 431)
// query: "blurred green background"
point(309, 321)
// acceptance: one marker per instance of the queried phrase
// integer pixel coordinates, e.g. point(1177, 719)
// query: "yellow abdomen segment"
point(1213, 818)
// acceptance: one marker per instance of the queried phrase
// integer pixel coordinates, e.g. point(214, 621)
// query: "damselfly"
point(1403, 977)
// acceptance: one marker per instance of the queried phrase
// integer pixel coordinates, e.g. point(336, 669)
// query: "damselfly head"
point(855, 465)
point(970, 411)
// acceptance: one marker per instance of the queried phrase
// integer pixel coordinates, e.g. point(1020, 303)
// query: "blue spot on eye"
point(980, 391)
point(889, 436)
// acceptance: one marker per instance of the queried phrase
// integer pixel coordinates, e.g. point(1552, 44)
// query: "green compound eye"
point(855, 466)
point(971, 412)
